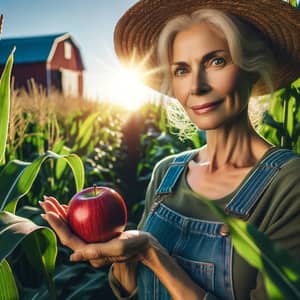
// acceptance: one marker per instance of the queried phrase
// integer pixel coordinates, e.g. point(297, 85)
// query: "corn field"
point(56, 145)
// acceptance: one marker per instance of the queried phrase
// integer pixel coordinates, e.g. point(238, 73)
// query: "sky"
point(90, 22)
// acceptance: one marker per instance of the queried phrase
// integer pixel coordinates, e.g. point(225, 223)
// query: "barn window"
point(68, 50)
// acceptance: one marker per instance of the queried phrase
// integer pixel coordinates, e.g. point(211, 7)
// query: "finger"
point(65, 235)
point(125, 246)
point(89, 252)
point(49, 206)
point(60, 208)
point(94, 252)
point(101, 262)
point(97, 263)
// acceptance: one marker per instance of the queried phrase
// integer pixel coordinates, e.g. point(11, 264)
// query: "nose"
point(201, 89)
point(200, 85)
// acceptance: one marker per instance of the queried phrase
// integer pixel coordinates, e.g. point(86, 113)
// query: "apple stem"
point(95, 189)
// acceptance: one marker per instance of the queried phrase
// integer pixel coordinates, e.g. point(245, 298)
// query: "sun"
point(125, 88)
point(112, 82)
point(119, 85)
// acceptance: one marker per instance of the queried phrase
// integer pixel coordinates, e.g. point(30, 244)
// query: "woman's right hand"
point(56, 216)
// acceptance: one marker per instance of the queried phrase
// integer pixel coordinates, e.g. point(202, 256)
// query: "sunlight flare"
point(123, 85)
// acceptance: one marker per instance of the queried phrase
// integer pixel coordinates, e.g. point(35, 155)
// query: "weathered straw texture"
point(137, 31)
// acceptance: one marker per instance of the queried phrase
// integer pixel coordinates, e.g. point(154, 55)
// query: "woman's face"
point(204, 78)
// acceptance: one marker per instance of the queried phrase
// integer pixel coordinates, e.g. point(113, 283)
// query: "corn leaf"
point(86, 130)
point(17, 177)
point(5, 103)
point(39, 243)
point(86, 138)
point(61, 164)
point(280, 271)
point(74, 282)
point(276, 108)
point(89, 283)
point(8, 287)
point(290, 122)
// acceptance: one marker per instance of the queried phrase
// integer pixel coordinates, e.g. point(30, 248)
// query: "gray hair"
point(247, 47)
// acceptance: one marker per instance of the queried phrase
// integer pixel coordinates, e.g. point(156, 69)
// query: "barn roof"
point(30, 49)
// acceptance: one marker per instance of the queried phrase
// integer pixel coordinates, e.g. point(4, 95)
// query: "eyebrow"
point(205, 58)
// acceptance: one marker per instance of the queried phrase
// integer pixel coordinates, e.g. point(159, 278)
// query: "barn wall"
point(80, 84)
point(59, 61)
point(23, 73)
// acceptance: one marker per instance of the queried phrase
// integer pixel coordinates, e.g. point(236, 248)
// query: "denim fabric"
point(174, 171)
point(197, 245)
point(256, 184)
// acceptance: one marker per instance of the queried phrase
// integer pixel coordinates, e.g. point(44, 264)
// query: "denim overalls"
point(202, 248)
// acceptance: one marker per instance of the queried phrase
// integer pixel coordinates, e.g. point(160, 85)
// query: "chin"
point(219, 120)
point(208, 124)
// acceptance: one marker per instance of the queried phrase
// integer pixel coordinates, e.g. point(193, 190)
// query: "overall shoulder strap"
point(174, 171)
point(250, 192)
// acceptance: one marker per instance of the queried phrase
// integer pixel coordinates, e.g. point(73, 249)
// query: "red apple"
point(97, 214)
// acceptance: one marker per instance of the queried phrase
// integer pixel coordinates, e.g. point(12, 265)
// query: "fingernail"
point(72, 258)
point(41, 203)
point(43, 216)
point(45, 197)
point(75, 256)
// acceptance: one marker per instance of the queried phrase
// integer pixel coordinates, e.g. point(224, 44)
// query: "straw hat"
point(138, 29)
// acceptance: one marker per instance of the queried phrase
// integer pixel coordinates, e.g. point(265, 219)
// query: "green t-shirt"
point(277, 214)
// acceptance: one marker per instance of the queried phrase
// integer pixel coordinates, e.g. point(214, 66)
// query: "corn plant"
point(27, 244)
point(281, 122)
point(37, 242)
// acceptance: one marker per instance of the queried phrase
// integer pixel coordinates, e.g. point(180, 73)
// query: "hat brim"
point(137, 32)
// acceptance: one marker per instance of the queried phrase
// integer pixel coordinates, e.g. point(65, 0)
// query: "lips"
point(205, 107)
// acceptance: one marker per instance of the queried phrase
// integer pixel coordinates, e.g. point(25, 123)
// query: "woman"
point(211, 56)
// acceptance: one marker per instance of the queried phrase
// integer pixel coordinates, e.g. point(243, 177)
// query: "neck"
point(234, 145)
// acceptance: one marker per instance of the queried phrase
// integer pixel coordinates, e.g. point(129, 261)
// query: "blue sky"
point(91, 22)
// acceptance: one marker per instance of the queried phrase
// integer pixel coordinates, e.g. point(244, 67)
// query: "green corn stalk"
point(40, 247)
point(5, 104)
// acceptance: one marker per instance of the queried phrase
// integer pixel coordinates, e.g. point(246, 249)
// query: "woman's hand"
point(130, 245)
point(56, 216)
point(124, 251)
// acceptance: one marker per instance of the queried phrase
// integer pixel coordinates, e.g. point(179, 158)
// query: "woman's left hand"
point(128, 246)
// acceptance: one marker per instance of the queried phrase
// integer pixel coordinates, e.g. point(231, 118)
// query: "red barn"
point(53, 61)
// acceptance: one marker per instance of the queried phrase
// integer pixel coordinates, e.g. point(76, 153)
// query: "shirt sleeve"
point(282, 219)
point(118, 290)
